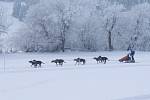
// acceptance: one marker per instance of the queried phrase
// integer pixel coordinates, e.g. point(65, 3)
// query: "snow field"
point(112, 81)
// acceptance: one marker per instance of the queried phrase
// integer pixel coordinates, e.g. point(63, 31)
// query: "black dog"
point(36, 63)
point(97, 59)
point(103, 59)
point(80, 60)
point(58, 62)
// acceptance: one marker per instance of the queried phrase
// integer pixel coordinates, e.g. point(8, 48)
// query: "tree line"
point(83, 25)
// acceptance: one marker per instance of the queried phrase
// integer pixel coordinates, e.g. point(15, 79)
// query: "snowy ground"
point(112, 81)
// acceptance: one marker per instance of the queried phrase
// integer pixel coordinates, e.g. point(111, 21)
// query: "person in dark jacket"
point(132, 53)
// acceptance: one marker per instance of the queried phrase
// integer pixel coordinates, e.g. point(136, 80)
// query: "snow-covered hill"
point(13, 23)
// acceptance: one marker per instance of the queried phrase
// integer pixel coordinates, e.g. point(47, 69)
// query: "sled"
point(126, 59)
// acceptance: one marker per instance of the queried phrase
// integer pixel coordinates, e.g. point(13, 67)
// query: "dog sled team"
point(129, 58)
point(60, 62)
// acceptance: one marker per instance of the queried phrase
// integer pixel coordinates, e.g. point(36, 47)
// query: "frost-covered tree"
point(141, 26)
point(64, 13)
point(21, 7)
point(109, 15)
point(49, 22)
